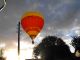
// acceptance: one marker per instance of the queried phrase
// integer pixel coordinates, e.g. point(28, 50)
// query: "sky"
point(62, 18)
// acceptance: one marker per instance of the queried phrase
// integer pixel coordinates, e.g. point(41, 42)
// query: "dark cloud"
point(58, 15)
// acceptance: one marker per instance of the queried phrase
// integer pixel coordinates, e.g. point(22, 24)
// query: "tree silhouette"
point(52, 48)
point(76, 45)
point(76, 42)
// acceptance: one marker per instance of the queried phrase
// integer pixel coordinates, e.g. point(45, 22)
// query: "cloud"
point(59, 15)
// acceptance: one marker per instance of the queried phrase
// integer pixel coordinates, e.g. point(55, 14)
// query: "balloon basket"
point(32, 42)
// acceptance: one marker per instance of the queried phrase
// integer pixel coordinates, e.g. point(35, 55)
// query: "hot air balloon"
point(32, 23)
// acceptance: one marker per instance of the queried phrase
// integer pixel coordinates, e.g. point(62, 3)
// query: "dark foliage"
point(52, 48)
point(76, 45)
point(76, 42)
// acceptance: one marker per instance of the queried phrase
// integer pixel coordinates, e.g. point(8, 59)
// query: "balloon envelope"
point(32, 23)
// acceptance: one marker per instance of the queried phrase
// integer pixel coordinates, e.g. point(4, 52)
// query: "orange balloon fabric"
point(32, 24)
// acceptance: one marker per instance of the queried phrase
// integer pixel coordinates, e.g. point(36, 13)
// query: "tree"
point(76, 45)
point(52, 48)
point(76, 42)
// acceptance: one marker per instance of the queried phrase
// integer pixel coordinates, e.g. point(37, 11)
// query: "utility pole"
point(18, 38)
